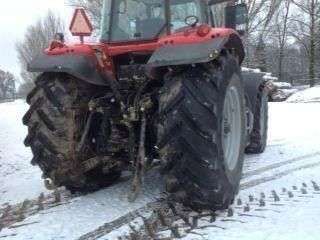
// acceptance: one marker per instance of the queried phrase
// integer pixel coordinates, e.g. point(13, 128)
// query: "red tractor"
point(163, 83)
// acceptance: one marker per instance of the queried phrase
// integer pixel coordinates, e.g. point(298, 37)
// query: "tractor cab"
point(137, 20)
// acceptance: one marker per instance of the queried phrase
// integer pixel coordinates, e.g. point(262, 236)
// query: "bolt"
point(294, 187)
point(304, 185)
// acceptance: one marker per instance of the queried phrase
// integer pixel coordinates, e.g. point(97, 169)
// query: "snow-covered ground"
point(306, 96)
point(18, 179)
point(292, 158)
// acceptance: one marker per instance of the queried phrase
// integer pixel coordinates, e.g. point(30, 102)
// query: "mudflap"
point(80, 66)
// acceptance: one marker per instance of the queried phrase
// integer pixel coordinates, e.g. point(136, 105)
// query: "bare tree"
point(7, 85)
point(260, 15)
point(305, 30)
point(280, 32)
point(36, 39)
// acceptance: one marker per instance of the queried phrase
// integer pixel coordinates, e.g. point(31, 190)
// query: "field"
point(279, 197)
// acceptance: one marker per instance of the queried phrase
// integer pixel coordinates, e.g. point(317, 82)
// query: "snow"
point(296, 219)
point(283, 85)
point(19, 180)
point(306, 96)
point(293, 148)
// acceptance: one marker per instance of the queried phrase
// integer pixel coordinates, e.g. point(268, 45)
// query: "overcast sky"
point(15, 17)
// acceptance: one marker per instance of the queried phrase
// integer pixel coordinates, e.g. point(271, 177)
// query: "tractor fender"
point(185, 54)
point(82, 67)
point(252, 82)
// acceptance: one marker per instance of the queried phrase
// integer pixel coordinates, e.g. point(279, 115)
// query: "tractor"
point(163, 88)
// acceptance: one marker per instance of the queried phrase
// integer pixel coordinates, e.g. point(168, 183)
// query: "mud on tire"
point(190, 134)
point(55, 120)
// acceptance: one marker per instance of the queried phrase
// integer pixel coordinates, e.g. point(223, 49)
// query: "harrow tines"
point(175, 231)
point(195, 220)
point(315, 186)
point(162, 218)
point(262, 203)
point(149, 229)
point(213, 217)
point(6, 212)
point(185, 218)
point(57, 196)
point(290, 194)
point(304, 191)
point(173, 208)
point(275, 196)
point(230, 212)
point(40, 202)
point(246, 208)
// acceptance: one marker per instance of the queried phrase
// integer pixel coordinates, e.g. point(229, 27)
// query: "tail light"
point(203, 30)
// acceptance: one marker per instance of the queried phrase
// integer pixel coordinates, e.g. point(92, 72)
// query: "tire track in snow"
point(276, 176)
point(153, 206)
point(108, 227)
point(278, 165)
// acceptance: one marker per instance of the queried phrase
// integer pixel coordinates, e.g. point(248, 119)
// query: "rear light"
point(203, 30)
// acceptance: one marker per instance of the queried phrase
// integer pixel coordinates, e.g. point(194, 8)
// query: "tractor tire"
point(259, 134)
point(56, 119)
point(203, 157)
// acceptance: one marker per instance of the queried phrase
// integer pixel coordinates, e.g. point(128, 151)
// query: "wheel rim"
point(231, 127)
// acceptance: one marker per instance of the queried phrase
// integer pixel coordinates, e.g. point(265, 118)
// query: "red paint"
point(200, 34)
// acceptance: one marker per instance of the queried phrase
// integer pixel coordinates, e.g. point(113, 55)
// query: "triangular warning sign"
point(80, 24)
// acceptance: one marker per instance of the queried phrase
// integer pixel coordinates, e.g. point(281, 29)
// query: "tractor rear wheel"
point(259, 135)
point(202, 134)
point(56, 121)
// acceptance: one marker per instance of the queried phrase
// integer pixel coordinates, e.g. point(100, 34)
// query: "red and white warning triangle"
point(80, 24)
